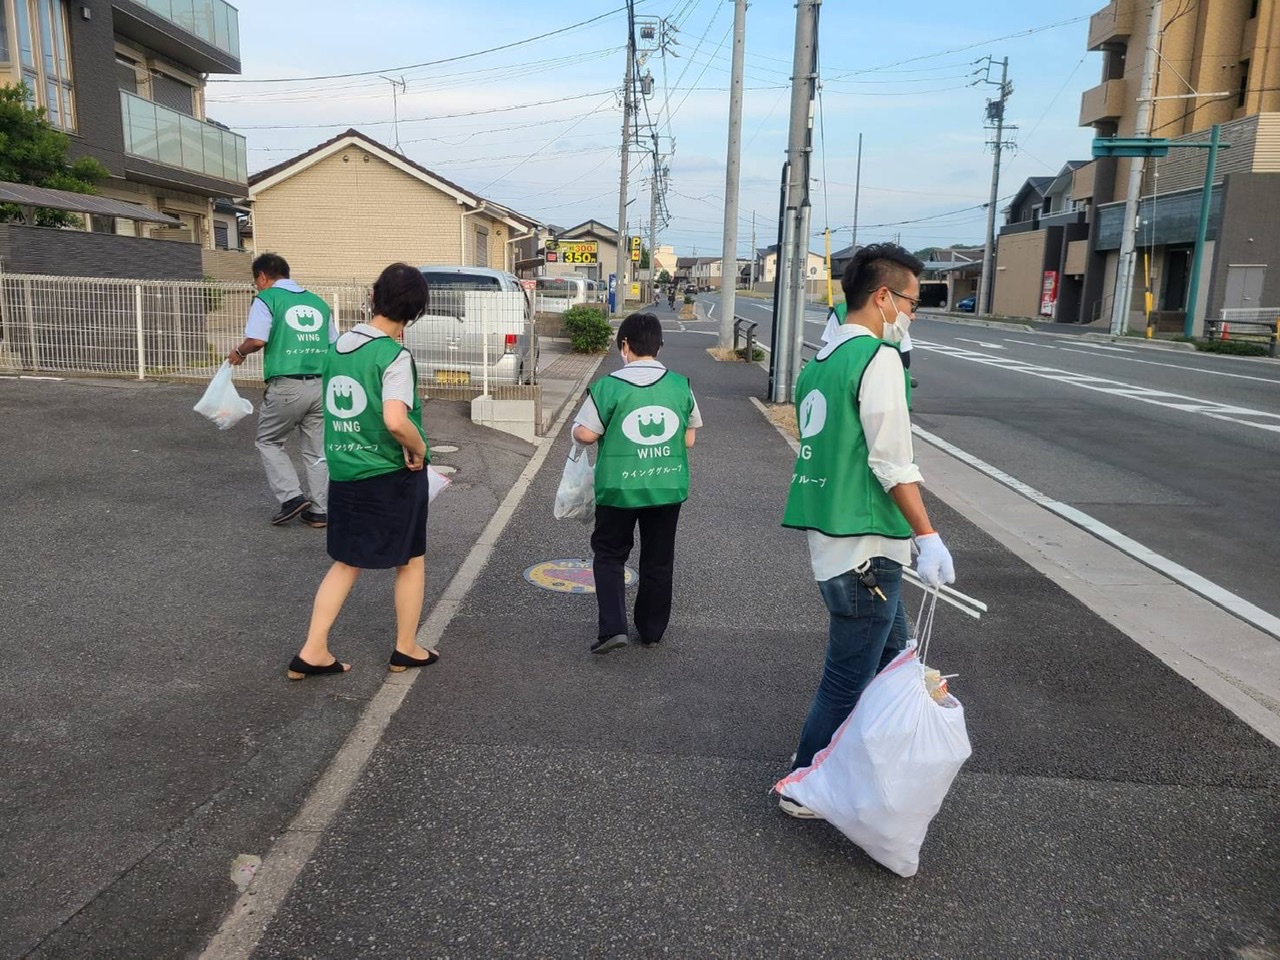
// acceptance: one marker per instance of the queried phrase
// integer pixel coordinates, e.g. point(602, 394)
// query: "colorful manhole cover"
point(568, 576)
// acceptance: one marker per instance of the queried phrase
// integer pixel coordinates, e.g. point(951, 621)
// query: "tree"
point(644, 257)
point(34, 152)
point(664, 277)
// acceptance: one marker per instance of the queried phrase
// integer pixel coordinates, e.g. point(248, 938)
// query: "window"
point(4, 35)
point(171, 93)
point(41, 27)
point(127, 75)
point(1244, 83)
point(482, 247)
point(220, 235)
point(1253, 9)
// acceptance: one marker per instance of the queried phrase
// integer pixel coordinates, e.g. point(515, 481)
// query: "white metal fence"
point(175, 330)
point(1255, 324)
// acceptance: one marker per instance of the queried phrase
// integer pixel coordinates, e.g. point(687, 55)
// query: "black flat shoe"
point(400, 662)
point(299, 668)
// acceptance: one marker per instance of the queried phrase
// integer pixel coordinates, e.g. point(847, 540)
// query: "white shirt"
point(640, 373)
point(886, 424)
point(397, 379)
point(833, 327)
point(258, 326)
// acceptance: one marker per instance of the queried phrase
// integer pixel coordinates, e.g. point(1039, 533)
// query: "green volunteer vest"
point(833, 489)
point(357, 443)
point(643, 461)
point(299, 333)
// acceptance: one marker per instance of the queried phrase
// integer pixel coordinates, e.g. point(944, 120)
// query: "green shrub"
point(1241, 348)
point(756, 353)
point(588, 328)
point(688, 298)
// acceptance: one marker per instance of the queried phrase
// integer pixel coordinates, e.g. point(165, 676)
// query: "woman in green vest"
point(376, 449)
point(644, 417)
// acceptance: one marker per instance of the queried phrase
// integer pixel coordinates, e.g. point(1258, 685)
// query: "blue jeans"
point(865, 635)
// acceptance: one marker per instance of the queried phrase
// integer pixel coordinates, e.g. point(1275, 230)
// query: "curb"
point(574, 393)
point(976, 322)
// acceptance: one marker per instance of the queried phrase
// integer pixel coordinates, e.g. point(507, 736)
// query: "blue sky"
point(898, 73)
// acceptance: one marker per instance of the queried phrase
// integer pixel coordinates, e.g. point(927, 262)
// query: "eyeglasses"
point(914, 301)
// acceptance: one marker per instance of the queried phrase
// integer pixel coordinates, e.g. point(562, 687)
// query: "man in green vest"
point(856, 489)
point(645, 418)
point(294, 328)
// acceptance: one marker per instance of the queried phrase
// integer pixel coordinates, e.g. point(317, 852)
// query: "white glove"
point(934, 564)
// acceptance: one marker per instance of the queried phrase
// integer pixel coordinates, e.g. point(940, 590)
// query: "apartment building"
point(1219, 63)
point(125, 79)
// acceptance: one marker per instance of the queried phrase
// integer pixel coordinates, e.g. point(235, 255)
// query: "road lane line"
point(1218, 595)
point(243, 926)
point(981, 343)
point(1159, 398)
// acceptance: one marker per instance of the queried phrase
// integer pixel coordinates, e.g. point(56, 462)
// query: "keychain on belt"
point(867, 576)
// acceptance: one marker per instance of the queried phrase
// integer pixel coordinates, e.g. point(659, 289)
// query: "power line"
point(439, 116)
point(427, 63)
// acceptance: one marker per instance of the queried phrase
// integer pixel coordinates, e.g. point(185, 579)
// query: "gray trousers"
point(291, 405)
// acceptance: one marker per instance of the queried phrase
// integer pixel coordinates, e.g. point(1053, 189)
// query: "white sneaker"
point(798, 810)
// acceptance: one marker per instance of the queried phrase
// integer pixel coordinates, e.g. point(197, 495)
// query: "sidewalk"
point(530, 799)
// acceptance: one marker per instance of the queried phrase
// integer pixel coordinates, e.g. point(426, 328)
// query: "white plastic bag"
point(888, 768)
point(436, 481)
point(576, 498)
point(221, 403)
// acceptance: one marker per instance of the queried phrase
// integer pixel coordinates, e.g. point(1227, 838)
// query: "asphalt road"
point(1178, 450)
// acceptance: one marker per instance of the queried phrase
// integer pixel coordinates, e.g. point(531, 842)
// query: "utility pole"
point(620, 297)
point(654, 187)
point(857, 189)
point(729, 253)
point(793, 245)
point(1137, 167)
point(995, 111)
point(752, 274)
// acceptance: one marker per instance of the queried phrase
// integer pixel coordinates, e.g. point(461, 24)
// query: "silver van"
point(448, 341)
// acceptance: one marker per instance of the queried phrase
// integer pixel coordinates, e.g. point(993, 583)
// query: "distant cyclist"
point(671, 297)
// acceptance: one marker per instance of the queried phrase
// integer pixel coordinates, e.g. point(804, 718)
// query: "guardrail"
point(1260, 325)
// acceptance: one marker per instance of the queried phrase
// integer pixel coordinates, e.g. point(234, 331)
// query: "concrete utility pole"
point(1137, 167)
point(729, 255)
point(627, 100)
point(995, 111)
point(654, 187)
point(752, 268)
point(793, 246)
point(857, 190)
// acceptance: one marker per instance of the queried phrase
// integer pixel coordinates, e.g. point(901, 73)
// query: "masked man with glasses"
point(856, 489)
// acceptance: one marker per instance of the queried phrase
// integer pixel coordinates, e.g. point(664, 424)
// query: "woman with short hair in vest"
point(377, 450)
point(644, 417)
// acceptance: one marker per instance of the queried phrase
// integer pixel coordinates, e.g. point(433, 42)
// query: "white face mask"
point(897, 329)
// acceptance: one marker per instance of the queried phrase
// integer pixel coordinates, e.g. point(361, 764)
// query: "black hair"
point(400, 293)
point(875, 266)
point(643, 333)
point(273, 265)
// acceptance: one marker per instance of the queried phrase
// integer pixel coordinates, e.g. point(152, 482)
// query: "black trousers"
point(611, 543)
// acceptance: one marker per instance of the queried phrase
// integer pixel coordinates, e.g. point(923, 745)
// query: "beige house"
point(348, 207)
point(815, 269)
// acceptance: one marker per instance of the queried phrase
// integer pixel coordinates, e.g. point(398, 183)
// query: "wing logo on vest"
point(345, 399)
point(651, 425)
point(813, 414)
point(304, 319)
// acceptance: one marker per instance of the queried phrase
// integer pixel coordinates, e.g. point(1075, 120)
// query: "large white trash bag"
point(221, 403)
point(888, 768)
point(576, 498)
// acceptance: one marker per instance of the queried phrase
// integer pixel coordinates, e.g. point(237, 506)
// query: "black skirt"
point(378, 522)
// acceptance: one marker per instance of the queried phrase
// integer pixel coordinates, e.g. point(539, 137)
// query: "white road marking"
point(1159, 398)
point(981, 343)
point(1214, 593)
point(1031, 343)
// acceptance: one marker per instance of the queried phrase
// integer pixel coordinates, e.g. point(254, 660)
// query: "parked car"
point(690, 289)
point(967, 305)
point(447, 342)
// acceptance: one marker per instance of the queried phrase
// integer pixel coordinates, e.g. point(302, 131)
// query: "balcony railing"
point(1112, 22)
point(1105, 102)
point(154, 132)
point(213, 21)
